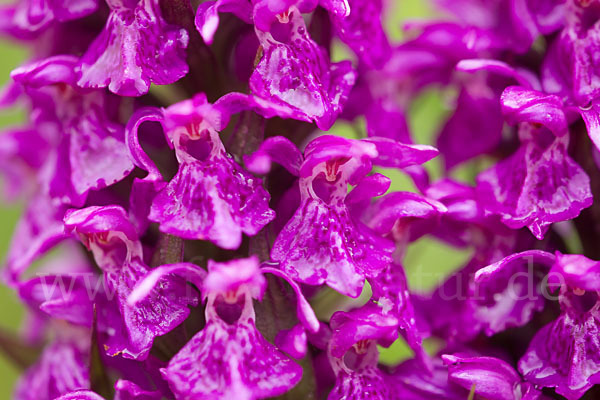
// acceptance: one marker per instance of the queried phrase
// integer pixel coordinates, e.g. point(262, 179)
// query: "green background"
point(425, 116)
point(11, 312)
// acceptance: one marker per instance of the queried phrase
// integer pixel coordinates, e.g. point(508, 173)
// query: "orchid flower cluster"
point(188, 213)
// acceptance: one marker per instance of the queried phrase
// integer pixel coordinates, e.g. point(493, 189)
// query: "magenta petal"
point(395, 207)
point(390, 291)
point(549, 15)
point(98, 219)
point(127, 390)
point(142, 194)
point(294, 71)
point(380, 116)
point(109, 234)
point(193, 111)
point(508, 292)
point(56, 69)
point(292, 341)
point(89, 152)
point(61, 368)
point(591, 117)
point(411, 381)
point(211, 197)
point(321, 244)
point(266, 13)
point(275, 149)
point(216, 200)
point(511, 25)
point(340, 8)
point(393, 154)
point(97, 155)
point(28, 18)
point(524, 105)
point(234, 102)
point(144, 287)
point(361, 29)
point(71, 9)
point(328, 148)
point(231, 275)
point(39, 229)
point(524, 78)
point(224, 361)
point(81, 395)
point(207, 15)
point(135, 48)
point(57, 177)
point(135, 150)
point(66, 297)
point(19, 162)
point(574, 55)
point(565, 354)
point(165, 307)
point(353, 354)
point(520, 190)
point(144, 190)
point(359, 199)
point(554, 72)
point(304, 311)
point(371, 383)
point(493, 378)
point(365, 323)
point(577, 271)
point(476, 110)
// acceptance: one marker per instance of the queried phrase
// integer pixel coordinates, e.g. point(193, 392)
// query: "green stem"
point(274, 314)
point(99, 381)
point(168, 251)
point(203, 73)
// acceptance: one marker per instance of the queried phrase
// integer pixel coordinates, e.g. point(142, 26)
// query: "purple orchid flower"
point(136, 48)
point(61, 368)
point(493, 379)
point(402, 217)
point(63, 288)
point(294, 72)
point(39, 229)
point(20, 163)
point(480, 90)
point(27, 19)
point(528, 198)
point(508, 292)
point(225, 200)
point(485, 294)
point(88, 145)
point(363, 32)
point(124, 390)
point(353, 353)
point(209, 265)
point(564, 353)
point(411, 380)
point(251, 367)
point(263, 13)
point(514, 23)
point(342, 251)
point(569, 67)
point(114, 242)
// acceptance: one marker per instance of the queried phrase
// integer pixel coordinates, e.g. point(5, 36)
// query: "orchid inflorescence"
point(189, 217)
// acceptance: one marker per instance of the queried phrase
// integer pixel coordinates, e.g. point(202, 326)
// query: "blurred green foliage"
point(11, 311)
